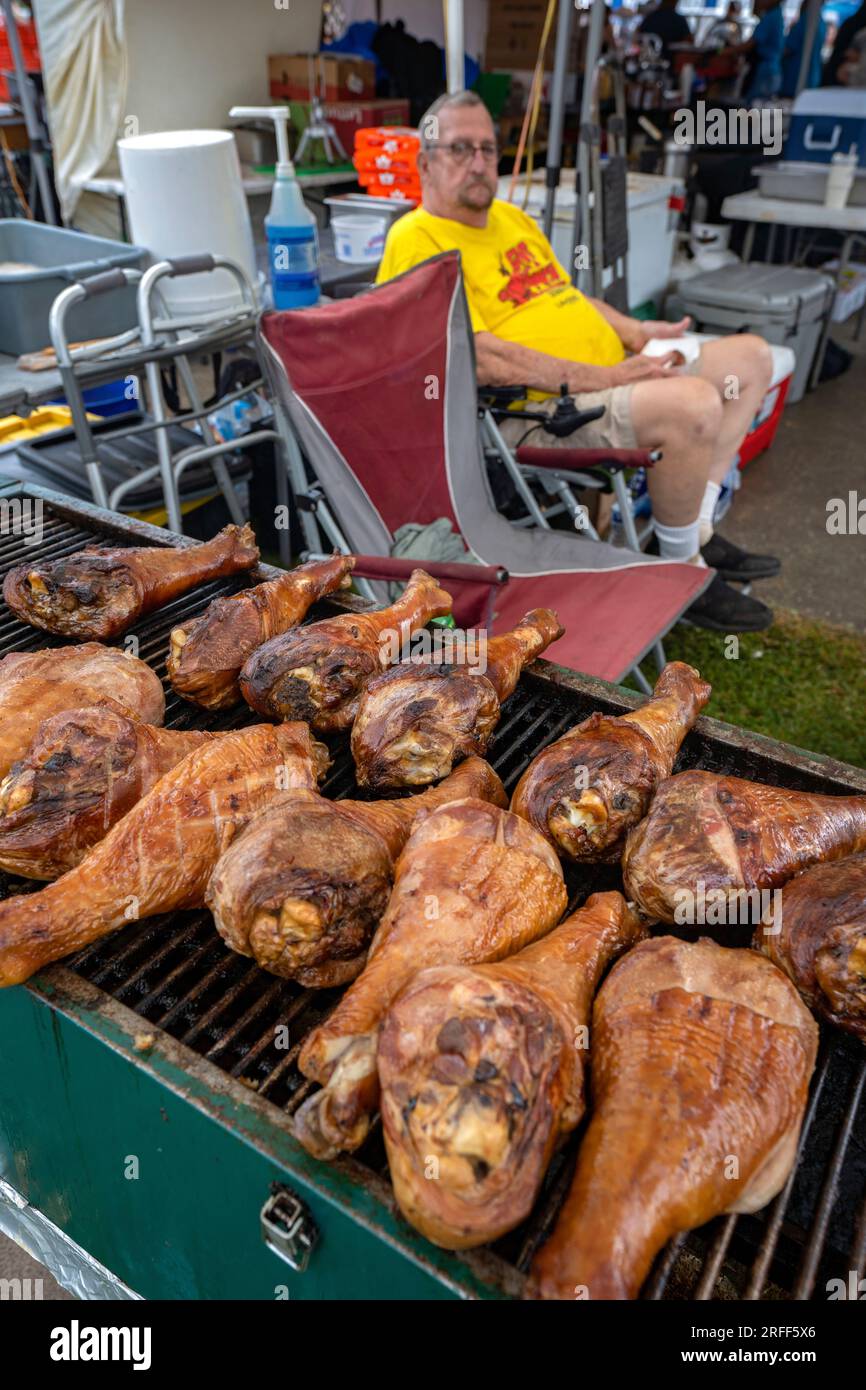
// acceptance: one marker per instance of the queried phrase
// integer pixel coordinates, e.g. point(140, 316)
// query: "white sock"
point(712, 492)
point(681, 543)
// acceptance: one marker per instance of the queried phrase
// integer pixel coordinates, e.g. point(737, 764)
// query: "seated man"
point(533, 328)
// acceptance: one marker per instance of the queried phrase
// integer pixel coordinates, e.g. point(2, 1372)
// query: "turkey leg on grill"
point(317, 672)
point(83, 771)
point(160, 856)
point(714, 839)
point(35, 685)
point(482, 1071)
point(819, 939)
point(99, 592)
point(701, 1059)
point(474, 883)
point(417, 720)
point(303, 887)
point(584, 791)
point(206, 653)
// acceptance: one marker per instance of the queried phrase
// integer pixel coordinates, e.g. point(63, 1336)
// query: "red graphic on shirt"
point(528, 278)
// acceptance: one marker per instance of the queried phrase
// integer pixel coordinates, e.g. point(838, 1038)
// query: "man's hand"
point(639, 368)
point(645, 329)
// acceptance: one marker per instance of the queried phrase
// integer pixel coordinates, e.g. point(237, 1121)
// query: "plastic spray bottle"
point(293, 241)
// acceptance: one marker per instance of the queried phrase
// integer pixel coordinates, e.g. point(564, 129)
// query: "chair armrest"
point(388, 567)
point(498, 398)
point(583, 460)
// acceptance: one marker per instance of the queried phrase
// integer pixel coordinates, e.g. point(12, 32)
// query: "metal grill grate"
point(176, 973)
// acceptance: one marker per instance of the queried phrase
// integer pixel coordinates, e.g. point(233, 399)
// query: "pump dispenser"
point(293, 242)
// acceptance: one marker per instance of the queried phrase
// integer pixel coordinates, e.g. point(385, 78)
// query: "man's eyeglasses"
point(461, 151)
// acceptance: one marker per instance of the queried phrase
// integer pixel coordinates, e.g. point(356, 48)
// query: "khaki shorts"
point(614, 430)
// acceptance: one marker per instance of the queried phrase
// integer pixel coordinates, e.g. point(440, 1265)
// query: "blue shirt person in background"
point(765, 51)
point(792, 55)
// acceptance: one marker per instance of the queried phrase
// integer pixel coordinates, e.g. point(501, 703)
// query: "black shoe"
point(723, 609)
point(733, 563)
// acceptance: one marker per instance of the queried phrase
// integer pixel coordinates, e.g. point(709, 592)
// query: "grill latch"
point(288, 1228)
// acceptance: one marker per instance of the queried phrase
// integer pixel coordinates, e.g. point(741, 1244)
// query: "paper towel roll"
point(184, 194)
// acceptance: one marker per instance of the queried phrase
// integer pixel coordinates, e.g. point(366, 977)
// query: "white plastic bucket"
point(184, 195)
point(359, 238)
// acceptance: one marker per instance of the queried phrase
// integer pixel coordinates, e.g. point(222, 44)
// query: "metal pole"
point(31, 115)
point(557, 110)
point(813, 14)
point(582, 222)
point(454, 45)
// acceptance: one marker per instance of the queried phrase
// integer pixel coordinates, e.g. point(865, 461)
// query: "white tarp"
point(84, 66)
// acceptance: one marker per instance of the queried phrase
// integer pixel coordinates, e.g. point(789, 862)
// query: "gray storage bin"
point(782, 304)
point(804, 181)
point(62, 256)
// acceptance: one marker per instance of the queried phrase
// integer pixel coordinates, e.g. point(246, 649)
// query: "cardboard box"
point(514, 29)
point(289, 76)
point(346, 78)
point(338, 77)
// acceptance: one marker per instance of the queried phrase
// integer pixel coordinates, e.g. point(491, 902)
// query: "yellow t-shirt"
point(515, 286)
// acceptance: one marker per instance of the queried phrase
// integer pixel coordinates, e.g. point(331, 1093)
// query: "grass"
point(802, 681)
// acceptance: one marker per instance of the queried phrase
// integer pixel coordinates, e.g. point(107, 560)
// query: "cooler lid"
point(767, 289)
point(831, 101)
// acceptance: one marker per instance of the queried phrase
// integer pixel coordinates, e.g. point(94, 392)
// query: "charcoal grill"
point(147, 1091)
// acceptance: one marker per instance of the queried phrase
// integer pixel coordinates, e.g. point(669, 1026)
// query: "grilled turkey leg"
point(707, 837)
point(819, 940)
point(206, 653)
point(98, 592)
point(160, 856)
point(417, 720)
point(701, 1059)
point(589, 787)
point(83, 771)
point(482, 1071)
point(317, 672)
point(303, 887)
point(35, 685)
point(474, 883)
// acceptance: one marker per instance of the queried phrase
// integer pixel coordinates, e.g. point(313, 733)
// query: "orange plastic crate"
point(369, 162)
point(390, 139)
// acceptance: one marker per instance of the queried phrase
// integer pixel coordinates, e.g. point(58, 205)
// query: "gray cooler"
point(782, 304)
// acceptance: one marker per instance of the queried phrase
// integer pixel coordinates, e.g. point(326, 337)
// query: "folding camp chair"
point(381, 393)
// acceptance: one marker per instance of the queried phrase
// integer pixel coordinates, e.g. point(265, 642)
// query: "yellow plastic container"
point(15, 429)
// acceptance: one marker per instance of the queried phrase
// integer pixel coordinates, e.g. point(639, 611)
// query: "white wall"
point(190, 60)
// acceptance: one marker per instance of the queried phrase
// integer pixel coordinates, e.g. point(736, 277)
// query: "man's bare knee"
point(745, 361)
point(755, 357)
point(693, 407)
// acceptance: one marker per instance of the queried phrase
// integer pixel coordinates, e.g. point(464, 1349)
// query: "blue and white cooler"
point(827, 121)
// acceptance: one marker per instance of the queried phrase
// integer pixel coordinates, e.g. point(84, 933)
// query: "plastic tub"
point(804, 182)
point(60, 257)
point(109, 399)
point(359, 239)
